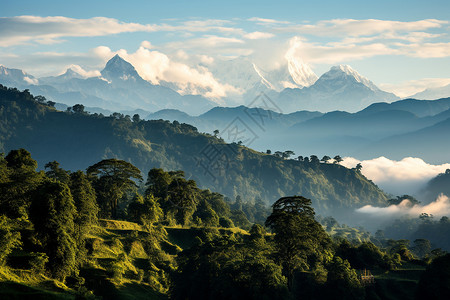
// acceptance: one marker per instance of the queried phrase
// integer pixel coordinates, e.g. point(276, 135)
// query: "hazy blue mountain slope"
point(79, 140)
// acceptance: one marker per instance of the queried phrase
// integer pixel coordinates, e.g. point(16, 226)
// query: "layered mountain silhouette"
point(396, 130)
point(293, 86)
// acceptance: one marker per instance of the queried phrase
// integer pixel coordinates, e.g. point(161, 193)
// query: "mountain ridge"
point(77, 140)
point(292, 85)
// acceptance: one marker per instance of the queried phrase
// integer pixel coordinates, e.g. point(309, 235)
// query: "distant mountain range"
point(433, 93)
point(410, 127)
point(341, 88)
point(288, 116)
point(293, 86)
point(118, 88)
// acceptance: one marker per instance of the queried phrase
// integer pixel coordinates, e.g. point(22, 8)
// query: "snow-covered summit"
point(345, 72)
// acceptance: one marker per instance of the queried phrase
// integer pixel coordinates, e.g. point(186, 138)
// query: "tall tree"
point(19, 178)
point(112, 179)
point(56, 172)
point(183, 199)
point(158, 183)
point(52, 214)
point(145, 210)
point(297, 235)
point(86, 205)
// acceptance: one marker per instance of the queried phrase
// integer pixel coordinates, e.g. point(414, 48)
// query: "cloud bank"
point(157, 67)
point(438, 208)
point(406, 176)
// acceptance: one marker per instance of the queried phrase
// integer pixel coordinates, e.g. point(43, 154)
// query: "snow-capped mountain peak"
point(263, 79)
point(300, 72)
point(345, 72)
point(16, 77)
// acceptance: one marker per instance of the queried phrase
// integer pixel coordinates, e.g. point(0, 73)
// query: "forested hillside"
point(105, 234)
point(76, 140)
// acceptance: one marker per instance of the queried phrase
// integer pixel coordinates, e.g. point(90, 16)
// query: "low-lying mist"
point(407, 176)
point(438, 208)
point(372, 218)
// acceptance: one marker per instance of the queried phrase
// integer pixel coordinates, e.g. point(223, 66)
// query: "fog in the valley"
point(407, 176)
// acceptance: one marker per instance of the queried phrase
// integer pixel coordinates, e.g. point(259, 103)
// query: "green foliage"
point(437, 186)
point(56, 172)
point(422, 247)
point(145, 210)
point(423, 227)
point(112, 179)
point(363, 256)
point(299, 238)
point(239, 219)
point(412, 201)
point(52, 213)
point(9, 240)
point(86, 216)
point(19, 179)
point(175, 146)
point(182, 199)
point(205, 215)
point(38, 262)
point(85, 201)
point(226, 268)
point(342, 281)
point(225, 222)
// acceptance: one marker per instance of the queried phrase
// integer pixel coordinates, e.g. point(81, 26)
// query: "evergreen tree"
point(18, 181)
point(86, 210)
point(56, 172)
point(52, 213)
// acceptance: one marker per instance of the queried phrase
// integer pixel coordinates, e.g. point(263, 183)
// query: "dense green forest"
point(77, 140)
point(120, 208)
point(106, 232)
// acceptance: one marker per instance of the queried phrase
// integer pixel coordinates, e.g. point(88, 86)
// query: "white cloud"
point(78, 69)
point(350, 39)
point(209, 41)
point(356, 28)
point(258, 35)
point(156, 67)
point(205, 59)
point(408, 88)
point(315, 53)
point(146, 44)
point(406, 176)
point(426, 50)
point(438, 208)
point(263, 21)
point(48, 30)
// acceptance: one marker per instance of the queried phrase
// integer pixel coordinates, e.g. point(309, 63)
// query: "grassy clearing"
point(24, 284)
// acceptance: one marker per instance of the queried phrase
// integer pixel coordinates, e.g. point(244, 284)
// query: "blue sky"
point(403, 46)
